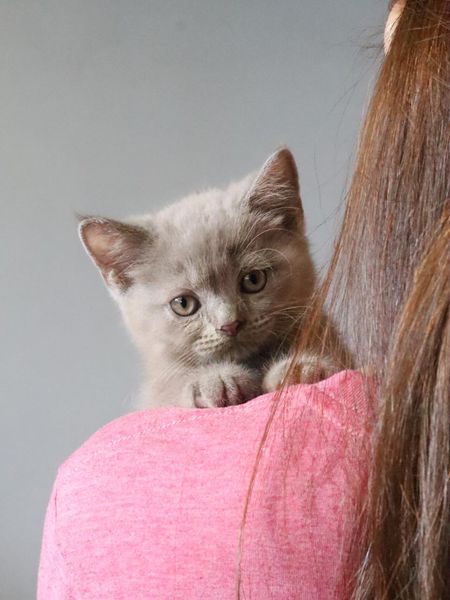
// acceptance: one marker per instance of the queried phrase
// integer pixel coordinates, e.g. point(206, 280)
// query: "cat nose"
point(231, 329)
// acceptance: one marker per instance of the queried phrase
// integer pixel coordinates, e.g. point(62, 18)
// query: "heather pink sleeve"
point(52, 583)
point(151, 505)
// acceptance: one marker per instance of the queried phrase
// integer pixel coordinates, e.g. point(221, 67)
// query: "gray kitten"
point(212, 288)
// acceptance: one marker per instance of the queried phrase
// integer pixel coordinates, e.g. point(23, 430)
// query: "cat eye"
point(184, 306)
point(253, 282)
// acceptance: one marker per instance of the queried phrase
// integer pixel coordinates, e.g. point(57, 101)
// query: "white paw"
point(307, 369)
point(224, 384)
point(275, 375)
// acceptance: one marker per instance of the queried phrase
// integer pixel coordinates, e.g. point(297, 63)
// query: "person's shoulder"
point(351, 389)
point(344, 400)
point(156, 426)
point(122, 431)
point(352, 386)
point(341, 398)
point(347, 397)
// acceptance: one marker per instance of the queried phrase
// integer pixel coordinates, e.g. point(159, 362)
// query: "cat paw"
point(306, 370)
point(275, 375)
point(224, 384)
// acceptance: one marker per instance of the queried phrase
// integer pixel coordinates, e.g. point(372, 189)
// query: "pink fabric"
point(151, 505)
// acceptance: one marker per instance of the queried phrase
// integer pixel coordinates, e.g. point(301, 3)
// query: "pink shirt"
point(151, 505)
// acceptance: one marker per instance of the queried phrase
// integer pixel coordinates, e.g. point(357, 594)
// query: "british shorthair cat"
point(213, 287)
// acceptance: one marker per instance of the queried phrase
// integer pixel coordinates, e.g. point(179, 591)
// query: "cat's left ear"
point(275, 193)
point(115, 247)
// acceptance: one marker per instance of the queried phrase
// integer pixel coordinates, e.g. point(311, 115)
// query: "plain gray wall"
point(119, 107)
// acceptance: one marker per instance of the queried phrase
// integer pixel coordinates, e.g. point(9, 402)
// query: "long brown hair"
point(388, 290)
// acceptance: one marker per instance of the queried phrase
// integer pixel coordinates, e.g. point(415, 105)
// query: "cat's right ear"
point(115, 247)
point(275, 193)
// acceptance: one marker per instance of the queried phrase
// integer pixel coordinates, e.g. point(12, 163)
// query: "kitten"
point(213, 287)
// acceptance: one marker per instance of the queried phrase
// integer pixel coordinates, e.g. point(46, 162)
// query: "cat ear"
point(114, 247)
point(275, 193)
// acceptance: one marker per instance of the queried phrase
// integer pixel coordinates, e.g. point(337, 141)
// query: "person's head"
point(388, 289)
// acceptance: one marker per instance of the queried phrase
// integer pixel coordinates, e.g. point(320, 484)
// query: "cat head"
point(219, 274)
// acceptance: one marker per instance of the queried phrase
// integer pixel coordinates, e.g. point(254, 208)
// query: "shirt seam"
point(211, 415)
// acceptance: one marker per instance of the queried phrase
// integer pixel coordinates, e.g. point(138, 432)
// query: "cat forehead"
point(204, 256)
point(197, 258)
point(203, 239)
point(214, 265)
point(204, 229)
point(207, 209)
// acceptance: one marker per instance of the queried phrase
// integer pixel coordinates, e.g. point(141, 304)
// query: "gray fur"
point(204, 244)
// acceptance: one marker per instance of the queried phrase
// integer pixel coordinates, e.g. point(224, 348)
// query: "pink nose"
point(231, 329)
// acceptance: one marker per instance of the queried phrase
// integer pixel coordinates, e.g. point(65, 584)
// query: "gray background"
point(118, 107)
